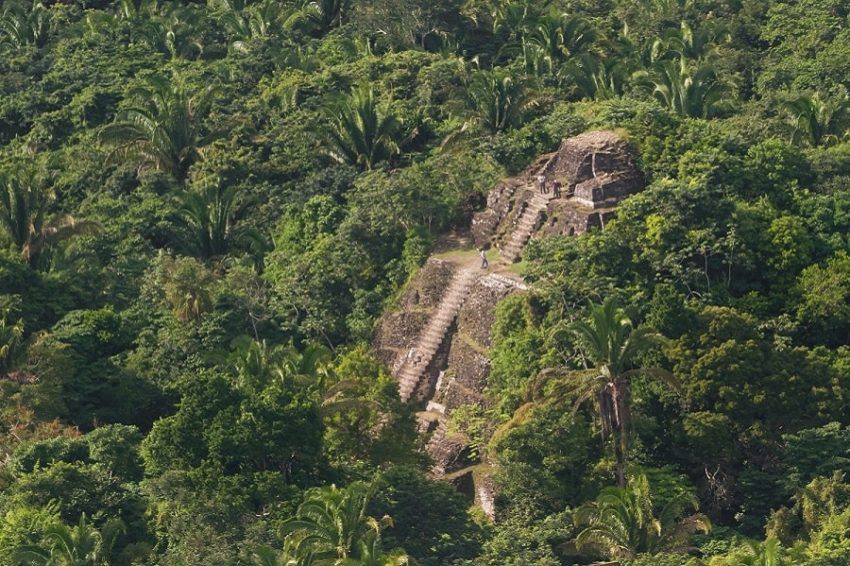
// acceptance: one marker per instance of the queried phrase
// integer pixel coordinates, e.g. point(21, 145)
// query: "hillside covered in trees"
point(206, 207)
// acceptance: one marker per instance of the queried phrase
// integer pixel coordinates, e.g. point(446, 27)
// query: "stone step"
point(410, 373)
point(518, 237)
point(434, 334)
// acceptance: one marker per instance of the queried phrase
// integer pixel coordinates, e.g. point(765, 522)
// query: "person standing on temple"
point(484, 263)
point(541, 183)
point(556, 188)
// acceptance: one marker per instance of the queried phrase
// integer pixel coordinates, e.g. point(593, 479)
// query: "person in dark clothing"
point(556, 188)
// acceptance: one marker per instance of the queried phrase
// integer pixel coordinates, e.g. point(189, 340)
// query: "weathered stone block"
point(596, 170)
point(398, 330)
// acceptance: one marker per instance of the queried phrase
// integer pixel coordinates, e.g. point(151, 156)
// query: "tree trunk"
point(620, 457)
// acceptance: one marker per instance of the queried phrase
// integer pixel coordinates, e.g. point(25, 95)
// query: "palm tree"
point(621, 522)
point(19, 27)
point(696, 45)
point(167, 27)
point(12, 347)
point(244, 24)
point(186, 284)
point(210, 215)
point(320, 16)
point(267, 556)
point(497, 100)
point(767, 553)
point(555, 39)
point(162, 130)
point(173, 31)
point(256, 365)
point(26, 194)
point(818, 121)
point(610, 346)
point(332, 527)
point(597, 78)
point(82, 545)
point(512, 18)
point(363, 132)
point(685, 88)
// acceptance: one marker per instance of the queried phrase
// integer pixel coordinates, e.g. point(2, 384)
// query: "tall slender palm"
point(363, 131)
point(162, 130)
point(497, 100)
point(333, 527)
point(82, 545)
point(26, 194)
point(621, 522)
point(610, 346)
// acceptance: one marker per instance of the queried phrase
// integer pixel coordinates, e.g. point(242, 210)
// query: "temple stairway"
point(415, 364)
point(525, 226)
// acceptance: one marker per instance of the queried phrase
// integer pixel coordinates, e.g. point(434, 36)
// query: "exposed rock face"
point(451, 453)
point(485, 494)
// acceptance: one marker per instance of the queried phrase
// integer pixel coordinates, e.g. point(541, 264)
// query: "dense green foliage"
point(204, 207)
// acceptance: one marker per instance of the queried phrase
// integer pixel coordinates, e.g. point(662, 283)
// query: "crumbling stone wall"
point(596, 170)
point(468, 364)
point(505, 204)
point(565, 219)
point(606, 190)
point(593, 155)
point(399, 328)
point(500, 203)
point(468, 358)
